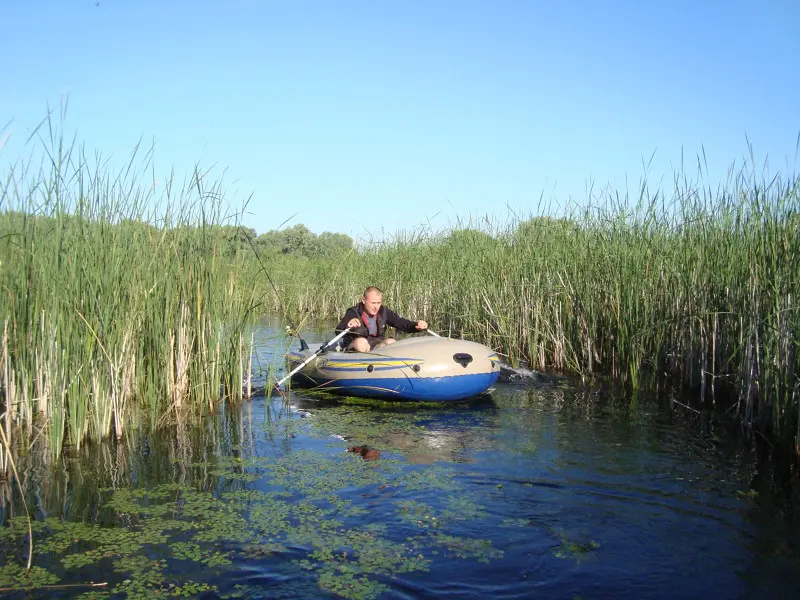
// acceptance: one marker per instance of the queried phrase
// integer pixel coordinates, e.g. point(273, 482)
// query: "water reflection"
point(549, 490)
point(421, 435)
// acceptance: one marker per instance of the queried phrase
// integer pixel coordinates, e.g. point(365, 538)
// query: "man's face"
point(372, 303)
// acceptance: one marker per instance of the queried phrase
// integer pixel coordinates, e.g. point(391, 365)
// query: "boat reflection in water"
point(422, 434)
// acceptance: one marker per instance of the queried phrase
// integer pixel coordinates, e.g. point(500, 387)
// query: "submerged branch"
point(63, 586)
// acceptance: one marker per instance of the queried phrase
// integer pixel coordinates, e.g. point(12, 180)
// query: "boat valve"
point(462, 358)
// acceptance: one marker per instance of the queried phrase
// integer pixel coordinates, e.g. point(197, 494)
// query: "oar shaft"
point(313, 356)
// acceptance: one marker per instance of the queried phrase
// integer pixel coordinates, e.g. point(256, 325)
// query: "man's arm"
point(351, 314)
point(400, 323)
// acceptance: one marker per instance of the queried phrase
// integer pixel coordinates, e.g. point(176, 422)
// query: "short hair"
point(372, 288)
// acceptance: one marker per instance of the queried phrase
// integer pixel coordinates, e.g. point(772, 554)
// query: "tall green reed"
point(692, 284)
point(120, 297)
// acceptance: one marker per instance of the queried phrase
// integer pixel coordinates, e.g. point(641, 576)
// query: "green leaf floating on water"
point(570, 548)
point(13, 575)
point(147, 533)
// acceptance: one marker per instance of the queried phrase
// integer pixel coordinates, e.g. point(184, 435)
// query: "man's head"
point(372, 300)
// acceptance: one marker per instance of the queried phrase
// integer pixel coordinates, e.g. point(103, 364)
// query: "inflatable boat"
point(423, 369)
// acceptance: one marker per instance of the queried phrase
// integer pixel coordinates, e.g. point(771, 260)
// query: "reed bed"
point(114, 313)
point(698, 286)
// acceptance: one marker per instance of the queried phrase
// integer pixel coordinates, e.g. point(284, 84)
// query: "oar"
point(313, 356)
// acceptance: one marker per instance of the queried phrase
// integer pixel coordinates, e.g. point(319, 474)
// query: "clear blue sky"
point(363, 116)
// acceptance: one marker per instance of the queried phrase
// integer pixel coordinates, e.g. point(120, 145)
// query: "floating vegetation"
point(573, 549)
point(305, 510)
point(242, 507)
point(14, 577)
point(420, 434)
point(576, 550)
point(364, 425)
point(459, 547)
point(463, 507)
point(749, 494)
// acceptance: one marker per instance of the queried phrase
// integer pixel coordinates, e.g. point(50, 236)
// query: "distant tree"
point(299, 240)
point(539, 229)
point(330, 244)
point(470, 237)
point(235, 239)
point(270, 242)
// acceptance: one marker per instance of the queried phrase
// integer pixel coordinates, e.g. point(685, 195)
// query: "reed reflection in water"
point(549, 490)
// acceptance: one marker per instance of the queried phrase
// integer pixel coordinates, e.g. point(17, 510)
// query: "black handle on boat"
point(313, 356)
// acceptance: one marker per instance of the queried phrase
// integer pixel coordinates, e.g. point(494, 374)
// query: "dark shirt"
point(384, 318)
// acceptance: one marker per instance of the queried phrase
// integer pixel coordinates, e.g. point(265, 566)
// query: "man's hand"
point(421, 325)
point(352, 323)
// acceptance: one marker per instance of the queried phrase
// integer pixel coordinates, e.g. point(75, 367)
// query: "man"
point(368, 321)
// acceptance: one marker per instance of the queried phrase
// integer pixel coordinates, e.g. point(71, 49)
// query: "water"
point(544, 490)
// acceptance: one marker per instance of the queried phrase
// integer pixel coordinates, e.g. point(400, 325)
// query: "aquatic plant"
point(179, 540)
point(119, 306)
point(119, 296)
point(692, 284)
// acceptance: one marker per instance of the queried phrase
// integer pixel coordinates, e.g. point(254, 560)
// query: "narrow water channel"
point(543, 490)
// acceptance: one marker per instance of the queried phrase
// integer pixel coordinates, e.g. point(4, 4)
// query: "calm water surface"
point(540, 491)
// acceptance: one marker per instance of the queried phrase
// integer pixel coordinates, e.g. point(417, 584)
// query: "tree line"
point(230, 240)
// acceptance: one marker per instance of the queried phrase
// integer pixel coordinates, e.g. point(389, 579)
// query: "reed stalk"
point(695, 285)
point(117, 297)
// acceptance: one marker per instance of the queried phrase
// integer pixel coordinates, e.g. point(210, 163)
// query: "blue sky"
point(364, 117)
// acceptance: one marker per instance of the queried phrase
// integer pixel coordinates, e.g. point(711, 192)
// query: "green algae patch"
point(402, 404)
point(418, 434)
point(363, 425)
point(13, 576)
point(574, 548)
point(311, 513)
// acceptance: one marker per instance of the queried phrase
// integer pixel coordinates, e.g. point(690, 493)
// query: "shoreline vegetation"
point(113, 316)
point(117, 316)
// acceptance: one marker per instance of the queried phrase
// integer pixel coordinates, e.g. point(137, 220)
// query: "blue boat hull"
point(428, 389)
point(421, 369)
